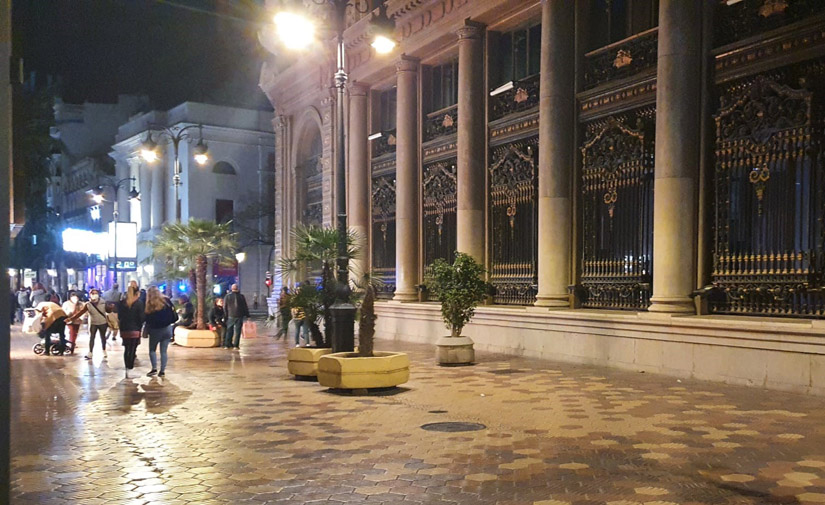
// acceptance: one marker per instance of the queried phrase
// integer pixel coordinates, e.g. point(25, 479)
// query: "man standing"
point(236, 311)
point(112, 295)
point(22, 302)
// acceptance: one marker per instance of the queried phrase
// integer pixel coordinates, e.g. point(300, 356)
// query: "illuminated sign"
point(126, 239)
point(85, 241)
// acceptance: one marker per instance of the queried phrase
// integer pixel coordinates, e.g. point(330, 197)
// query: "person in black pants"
point(54, 322)
point(236, 311)
point(131, 314)
point(98, 323)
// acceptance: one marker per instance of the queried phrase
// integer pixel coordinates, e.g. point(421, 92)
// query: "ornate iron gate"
point(514, 221)
point(383, 232)
point(617, 211)
point(769, 195)
point(439, 198)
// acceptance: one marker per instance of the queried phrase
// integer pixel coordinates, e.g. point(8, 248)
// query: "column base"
point(553, 301)
point(405, 296)
point(674, 305)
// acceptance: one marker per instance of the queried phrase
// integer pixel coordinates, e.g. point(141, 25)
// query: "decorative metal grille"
point(746, 18)
point(384, 144)
point(439, 196)
point(514, 221)
point(441, 123)
point(770, 196)
point(383, 233)
point(617, 208)
point(522, 97)
point(622, 59)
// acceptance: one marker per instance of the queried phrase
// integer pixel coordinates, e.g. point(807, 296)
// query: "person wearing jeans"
point(160, 316)
point(236, 311)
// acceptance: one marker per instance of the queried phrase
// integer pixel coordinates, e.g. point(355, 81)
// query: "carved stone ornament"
point(447, 121)
point(623, 59)
point(391, 140)
point(772, 7)
point(521, 95)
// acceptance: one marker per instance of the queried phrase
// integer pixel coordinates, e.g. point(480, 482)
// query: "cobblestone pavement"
point(235, 428)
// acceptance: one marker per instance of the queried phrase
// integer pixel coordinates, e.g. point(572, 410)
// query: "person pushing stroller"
point(54, 323)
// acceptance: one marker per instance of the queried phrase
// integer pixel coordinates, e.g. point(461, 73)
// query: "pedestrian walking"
point(236, 311)
point(160, 315)
point(285, 312)
point(217, 319)
point(112, 295)
point(70, 307)
point(98, 323)
point(22, 303)
point(301, 325)
point(38, 295)
point(131, 314)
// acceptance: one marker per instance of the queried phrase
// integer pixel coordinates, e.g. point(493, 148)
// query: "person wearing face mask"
point(98, 323)
point(70, 306)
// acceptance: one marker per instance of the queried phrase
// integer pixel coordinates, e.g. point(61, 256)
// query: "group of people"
point(227, 316)
point(135, 314)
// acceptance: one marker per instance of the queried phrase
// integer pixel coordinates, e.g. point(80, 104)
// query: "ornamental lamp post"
point(98, 196)
point(149, 151)
point(297, 32)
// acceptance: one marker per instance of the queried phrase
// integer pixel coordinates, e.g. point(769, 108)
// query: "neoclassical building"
point(643, 179)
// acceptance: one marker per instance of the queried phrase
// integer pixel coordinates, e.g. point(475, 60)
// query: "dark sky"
point(101, 48)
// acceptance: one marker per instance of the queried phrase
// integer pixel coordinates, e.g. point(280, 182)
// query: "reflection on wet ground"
point(228, 427)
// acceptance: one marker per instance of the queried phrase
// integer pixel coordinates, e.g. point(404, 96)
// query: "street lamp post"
point(99, 197)
point(149, 152)
point(296, 33)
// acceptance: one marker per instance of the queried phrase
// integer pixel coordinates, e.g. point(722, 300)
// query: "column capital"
point(281, 121)
point(472, 30)
point(407, 64)
point(358, 88)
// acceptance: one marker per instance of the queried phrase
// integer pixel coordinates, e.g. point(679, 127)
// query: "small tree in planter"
point(460, 288)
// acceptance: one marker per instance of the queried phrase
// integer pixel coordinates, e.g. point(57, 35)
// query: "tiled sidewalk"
point(235, 428)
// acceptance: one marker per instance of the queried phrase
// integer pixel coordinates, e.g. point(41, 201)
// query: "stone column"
point(557, 127)
point(158, 200)
point(471, 151)
point(678, 89)
point(406, 174)
point(358, 205)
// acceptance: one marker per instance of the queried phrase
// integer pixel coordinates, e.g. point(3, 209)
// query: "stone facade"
point(619, 168)
point(236, 181)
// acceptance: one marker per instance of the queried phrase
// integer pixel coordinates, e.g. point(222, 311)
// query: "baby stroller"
point(33, 324)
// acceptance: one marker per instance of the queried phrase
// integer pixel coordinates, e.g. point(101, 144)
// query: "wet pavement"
point(229, 427)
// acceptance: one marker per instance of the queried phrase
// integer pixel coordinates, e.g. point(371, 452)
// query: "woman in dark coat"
point(131, 313)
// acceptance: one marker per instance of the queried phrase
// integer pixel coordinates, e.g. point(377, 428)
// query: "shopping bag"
point(250, 329)
point(32, 323)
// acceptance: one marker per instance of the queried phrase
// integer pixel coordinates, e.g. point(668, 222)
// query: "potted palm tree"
point(365, 368)
point(460, 288)
point(188, 246)
point(315, 247)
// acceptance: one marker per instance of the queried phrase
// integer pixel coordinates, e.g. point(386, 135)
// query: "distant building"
point(85, 133)
point(236, 184)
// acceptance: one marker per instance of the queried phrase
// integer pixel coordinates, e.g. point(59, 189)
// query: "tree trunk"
point(200, 287)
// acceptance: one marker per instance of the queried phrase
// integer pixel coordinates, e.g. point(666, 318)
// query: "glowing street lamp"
point(297, 32)
point(149, 152)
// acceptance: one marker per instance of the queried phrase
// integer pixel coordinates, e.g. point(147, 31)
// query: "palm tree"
point(313, 245)
point(188, 246)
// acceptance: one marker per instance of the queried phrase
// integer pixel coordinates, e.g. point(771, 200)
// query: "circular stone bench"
point(196, 338)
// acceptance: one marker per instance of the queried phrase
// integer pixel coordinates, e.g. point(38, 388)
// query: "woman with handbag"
point(130, 313)
point(160, 315)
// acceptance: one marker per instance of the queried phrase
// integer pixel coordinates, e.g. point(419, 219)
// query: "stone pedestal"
point(556, 151)
point(471, 131)
point(678, 119)
point(455, 351)
point(406, 167)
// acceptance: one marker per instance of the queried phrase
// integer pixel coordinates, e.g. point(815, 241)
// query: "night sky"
point(102, 48)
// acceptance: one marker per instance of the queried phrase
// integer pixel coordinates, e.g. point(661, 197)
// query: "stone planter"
point(303, 361)
point(454, 351)
point(196, 338)
point(346, 370)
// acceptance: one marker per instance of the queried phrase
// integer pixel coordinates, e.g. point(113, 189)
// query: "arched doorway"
point(308, 178)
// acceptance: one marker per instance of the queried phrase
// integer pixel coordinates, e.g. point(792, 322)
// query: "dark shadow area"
point(391, 391)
